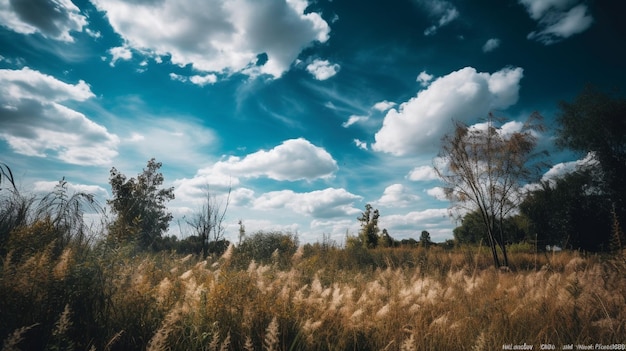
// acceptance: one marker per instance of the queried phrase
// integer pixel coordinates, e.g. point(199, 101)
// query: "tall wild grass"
point(63, 289)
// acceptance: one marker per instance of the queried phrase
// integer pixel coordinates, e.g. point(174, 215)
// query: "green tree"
point(140, 206)
point(595, 122)
point(369, 232)
point(484, 169)
point(425, 239)
point(472, 229)
point(570, 212)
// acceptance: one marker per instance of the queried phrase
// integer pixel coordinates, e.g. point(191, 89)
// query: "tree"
point(368, 234)
point(425, 239)
point(570, 212)
point(208, 223)
point(139, 206)
point(484, 168)
point(595, 123)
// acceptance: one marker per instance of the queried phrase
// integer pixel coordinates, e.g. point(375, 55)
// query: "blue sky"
point(305, 110)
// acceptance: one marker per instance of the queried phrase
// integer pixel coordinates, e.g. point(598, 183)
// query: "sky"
point(305, 111)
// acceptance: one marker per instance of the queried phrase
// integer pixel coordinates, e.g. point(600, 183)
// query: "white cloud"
point(322, 69)
point(424, 78)
point(54, 19)
point(203, 80)
point(538, 8)
point(557, 19)
point(396, 195)
point(218, 35)
point(34, 122)
point(327, 203)
point(354, 119)
point(563, 168)
point(383, 106)
point(463, 95)
point(360, 144)
point(443, 11)
point(423, 173)
point(416, 220)
point(200, 80)
point(491, 45)
point(438, 193)
point(294, 159)
point(49, 186)
point(119, 53)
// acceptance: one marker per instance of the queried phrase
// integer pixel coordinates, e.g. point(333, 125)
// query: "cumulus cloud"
point(438, 193)
point(54, 19)
point(422, 173)
point(557, 19)
point(491, 45)
point(294, 159)
point(465, 94)
point(327, 203)
point(34, 122)
point(442, 11)
point(322, 69)
point(218, 35)
point(396, 195)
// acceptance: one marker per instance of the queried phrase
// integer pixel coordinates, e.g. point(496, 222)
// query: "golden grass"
point(390, 299)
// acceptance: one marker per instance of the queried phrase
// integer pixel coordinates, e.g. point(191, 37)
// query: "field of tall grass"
point(98, 296)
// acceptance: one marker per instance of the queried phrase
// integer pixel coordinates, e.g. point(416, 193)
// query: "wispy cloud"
point(491, 45)
point(442, 11)
point(557, 19)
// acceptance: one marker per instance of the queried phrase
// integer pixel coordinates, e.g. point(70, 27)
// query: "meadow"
point(308, 297)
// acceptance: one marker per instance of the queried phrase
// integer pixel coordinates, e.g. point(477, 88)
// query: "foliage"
point(472, 229)
point(139, 206)
point(369, 233)
point(484, 169)
point(595, 122)
point(570, 212)
point(425, 239)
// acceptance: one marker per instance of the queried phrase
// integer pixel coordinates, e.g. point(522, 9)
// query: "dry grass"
point(332, 299)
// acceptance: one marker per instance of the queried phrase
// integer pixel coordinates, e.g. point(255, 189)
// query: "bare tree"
point(484, 169)
point(208, 223)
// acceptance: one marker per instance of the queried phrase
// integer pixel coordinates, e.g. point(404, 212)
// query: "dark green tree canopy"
point(570, 212)
point(140, 205)
point(595, 122)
